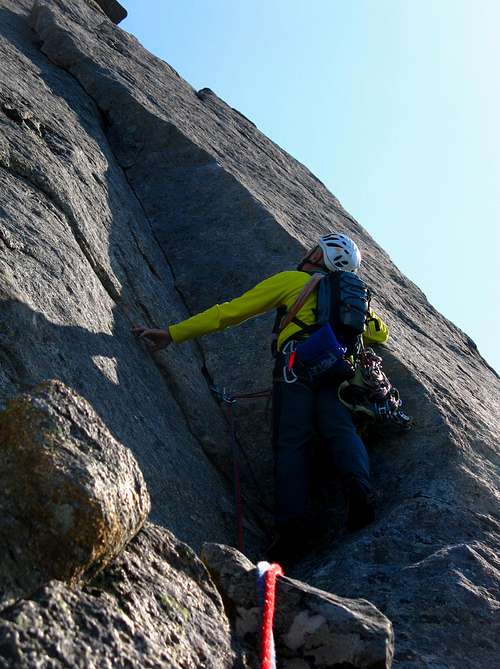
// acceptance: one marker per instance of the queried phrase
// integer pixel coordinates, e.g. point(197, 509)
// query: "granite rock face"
point(79, 266)
point(113, 10)
point(127, 196)
point(79, 586)
point(154, 606)
point(71, 496)
point(312, 628)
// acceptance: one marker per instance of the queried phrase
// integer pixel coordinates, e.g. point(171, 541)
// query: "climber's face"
point(316, 256)
point(313, 258)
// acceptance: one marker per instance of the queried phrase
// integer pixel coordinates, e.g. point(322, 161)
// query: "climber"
point(302, 405)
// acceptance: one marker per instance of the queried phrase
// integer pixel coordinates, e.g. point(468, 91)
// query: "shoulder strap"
point(299, 302)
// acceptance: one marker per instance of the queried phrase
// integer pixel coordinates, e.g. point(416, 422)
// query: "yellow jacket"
point(279, 290)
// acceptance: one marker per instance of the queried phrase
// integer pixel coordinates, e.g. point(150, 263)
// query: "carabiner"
point(288, 351)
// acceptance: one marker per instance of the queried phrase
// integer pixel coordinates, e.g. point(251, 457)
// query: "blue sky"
point(394, 105)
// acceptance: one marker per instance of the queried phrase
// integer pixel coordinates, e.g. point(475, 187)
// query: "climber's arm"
point(266, 295)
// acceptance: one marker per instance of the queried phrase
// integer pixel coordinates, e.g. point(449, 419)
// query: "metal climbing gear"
point(228, 401)
point(370, 393)
point(289, 352)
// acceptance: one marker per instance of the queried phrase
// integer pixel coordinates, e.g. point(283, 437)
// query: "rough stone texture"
point(154, 606)
point(441, 595)
point(113, 10)
point(71, 496)
point(313, 629)
point(78, 266)
point(129, 196)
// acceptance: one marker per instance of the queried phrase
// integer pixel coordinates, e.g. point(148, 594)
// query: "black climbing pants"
point(301, 410)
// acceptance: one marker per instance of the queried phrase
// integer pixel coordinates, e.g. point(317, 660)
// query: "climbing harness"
point(266, 587)
point(371, 395)
point(320, 356)
point(228, 401)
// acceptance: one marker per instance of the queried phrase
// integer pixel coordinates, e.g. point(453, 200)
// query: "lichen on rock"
point(71, 496)
point(154, 606)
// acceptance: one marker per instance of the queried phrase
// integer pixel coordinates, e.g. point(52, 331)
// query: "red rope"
point(267, 655)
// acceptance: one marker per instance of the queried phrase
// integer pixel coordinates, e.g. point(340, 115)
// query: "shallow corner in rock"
point(71, 496)
point(313, 628)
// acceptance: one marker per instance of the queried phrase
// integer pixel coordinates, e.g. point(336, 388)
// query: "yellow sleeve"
point(376, 331)
point(266, 295)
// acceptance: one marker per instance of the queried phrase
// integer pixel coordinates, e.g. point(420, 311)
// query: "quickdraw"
point(228, 401)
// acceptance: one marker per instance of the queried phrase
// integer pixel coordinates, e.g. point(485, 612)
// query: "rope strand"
point(266, 582)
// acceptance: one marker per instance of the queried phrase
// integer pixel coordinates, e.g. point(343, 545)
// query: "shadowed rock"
point(113, 10)
point(71, 496)
point(313, 628)
point(154, 606)
point(79, 266)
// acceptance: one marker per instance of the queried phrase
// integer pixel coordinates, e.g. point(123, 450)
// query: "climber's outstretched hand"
point(155, 339)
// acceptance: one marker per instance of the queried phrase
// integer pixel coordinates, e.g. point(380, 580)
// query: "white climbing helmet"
point(340, 252)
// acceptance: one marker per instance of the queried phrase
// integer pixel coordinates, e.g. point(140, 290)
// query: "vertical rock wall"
point(79, 266)
point(131, 196)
